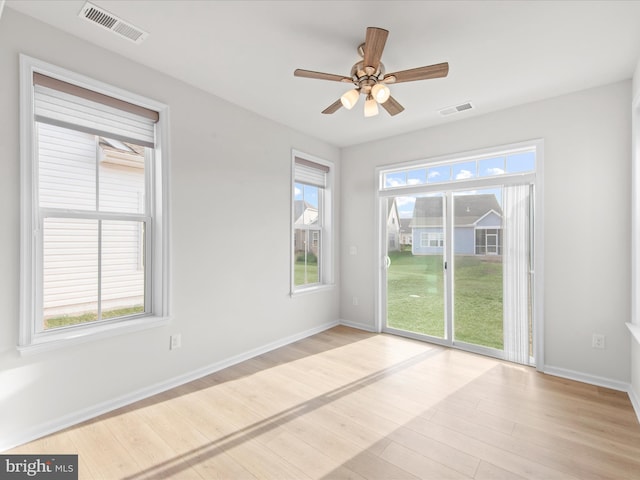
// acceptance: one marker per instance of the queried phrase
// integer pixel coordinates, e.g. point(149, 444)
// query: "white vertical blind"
point(516, 267)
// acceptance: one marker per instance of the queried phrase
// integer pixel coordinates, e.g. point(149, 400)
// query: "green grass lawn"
point(415, 293)
point(67, 320)
point(299, 273)
point(415, 297)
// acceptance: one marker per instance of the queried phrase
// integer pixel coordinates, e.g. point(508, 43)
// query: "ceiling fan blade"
point(334, 107)
point(392, 106)
point(321, 76)
point(421, 73)
point(373, 46)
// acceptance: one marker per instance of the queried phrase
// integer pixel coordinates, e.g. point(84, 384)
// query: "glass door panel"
point(415, 277)
point(477, 268)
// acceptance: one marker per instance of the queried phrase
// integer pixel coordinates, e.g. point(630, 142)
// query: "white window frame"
point(325, 211)
point(31, 340)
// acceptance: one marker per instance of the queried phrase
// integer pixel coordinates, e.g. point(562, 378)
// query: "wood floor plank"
point(307, 458)
point(487, 471)
point(437, 451)
point(525, 410)
point(478, 448)
point(347, 404)
point(105, 456)
point(548, 455)
point(191, 449)
point(610, 460)
point(264, 463)
point(419, 465)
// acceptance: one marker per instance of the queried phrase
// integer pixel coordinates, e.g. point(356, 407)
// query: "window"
point(94, 209)
point(311, 265)
point(519, 161)
point(432, 239)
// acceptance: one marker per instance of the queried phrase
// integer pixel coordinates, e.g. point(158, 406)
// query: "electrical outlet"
point(356, 302)
point(175, 341)
point(597, 341)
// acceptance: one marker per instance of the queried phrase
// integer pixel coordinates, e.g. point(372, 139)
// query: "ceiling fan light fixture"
point(370, 107)
point(350, 98)
point(380, 92)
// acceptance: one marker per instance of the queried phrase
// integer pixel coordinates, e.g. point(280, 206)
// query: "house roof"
point(468, 209)
point(392, 209)
point(300, 207)
point(121, 153)
point(405, 225)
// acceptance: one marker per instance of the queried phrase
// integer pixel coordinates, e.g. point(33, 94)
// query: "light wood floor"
point(349, 404)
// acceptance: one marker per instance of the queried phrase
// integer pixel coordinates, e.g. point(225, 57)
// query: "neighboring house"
point(406, 236)
point(477, 225)
point(305, 214)
point(393, 227)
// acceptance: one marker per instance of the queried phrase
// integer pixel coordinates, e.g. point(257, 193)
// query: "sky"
point(308, 193)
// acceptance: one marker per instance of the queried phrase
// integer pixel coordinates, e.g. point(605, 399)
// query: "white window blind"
point(311, 173)
point(66, 105)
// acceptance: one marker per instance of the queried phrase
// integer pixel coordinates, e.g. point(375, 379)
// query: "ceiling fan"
point(369, 77)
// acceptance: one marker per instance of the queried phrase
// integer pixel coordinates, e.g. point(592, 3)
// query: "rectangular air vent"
point(99, 16)
point(456, 109)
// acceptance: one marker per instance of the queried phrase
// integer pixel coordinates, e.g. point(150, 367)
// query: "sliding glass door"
point(457, 262)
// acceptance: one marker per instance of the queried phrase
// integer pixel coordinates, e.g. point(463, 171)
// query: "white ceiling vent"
point(101, 17)
point(456, 109)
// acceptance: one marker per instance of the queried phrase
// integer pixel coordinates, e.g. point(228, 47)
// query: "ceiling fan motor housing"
point(363, 81)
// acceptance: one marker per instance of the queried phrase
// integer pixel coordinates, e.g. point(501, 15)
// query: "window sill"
point(71, 337)
point(312, 289)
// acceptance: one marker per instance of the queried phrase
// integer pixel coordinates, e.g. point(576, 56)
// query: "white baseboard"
point(587, 378)
point(635, 402)
point(88, 413)
point(359, 326)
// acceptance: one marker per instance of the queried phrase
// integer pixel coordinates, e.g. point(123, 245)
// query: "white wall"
point(230, 171)
point(586, 218)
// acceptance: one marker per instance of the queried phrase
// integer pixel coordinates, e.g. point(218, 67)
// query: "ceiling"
point(501, 53)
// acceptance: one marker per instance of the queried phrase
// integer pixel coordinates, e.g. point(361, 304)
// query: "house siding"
point(492, 220)
point(464, 241)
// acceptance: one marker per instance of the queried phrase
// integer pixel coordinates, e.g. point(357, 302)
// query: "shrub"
point(311, 257)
